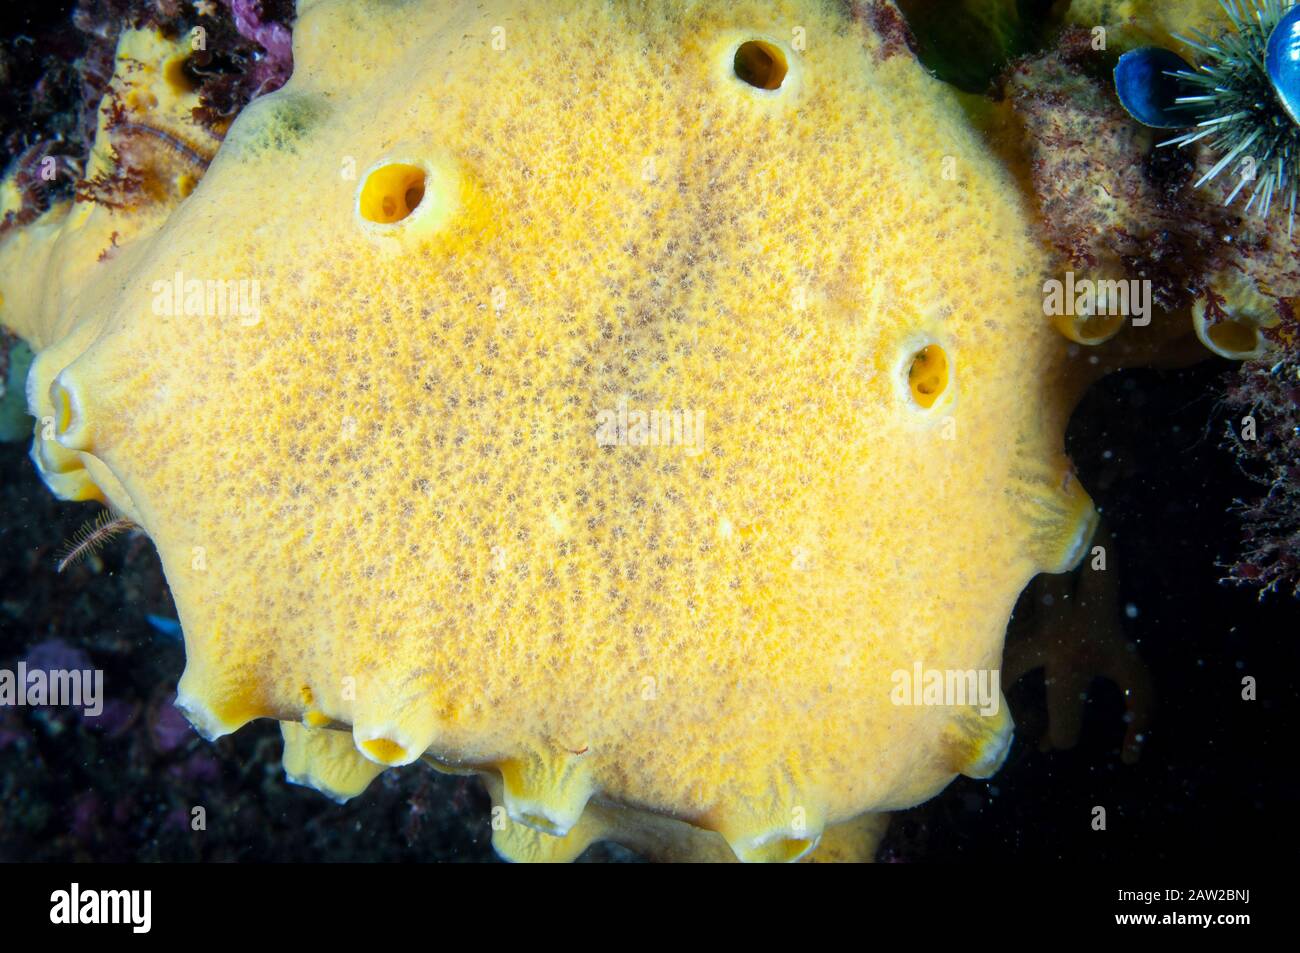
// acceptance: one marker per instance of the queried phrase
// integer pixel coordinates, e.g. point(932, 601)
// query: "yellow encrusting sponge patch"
point(595, 429)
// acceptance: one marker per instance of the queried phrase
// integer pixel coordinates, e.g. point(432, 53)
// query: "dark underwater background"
point(1214, 781)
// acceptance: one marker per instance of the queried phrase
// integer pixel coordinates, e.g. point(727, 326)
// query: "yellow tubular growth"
point(1229, 316)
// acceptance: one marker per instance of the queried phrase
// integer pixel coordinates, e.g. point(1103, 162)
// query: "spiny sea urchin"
point(1243, 98)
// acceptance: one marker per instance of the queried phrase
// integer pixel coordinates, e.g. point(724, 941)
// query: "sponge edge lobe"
point(326, 761)
point(977, 743)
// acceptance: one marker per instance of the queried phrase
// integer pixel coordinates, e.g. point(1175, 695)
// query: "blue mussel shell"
point(1282, 61)
point(1147, 92)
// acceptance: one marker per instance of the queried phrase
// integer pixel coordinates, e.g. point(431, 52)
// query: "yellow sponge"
point(610, 399)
